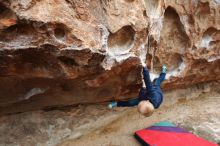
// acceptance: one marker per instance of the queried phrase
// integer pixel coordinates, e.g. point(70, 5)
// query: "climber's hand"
point(143, 63)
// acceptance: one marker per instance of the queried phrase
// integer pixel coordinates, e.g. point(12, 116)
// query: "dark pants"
point(144, 91)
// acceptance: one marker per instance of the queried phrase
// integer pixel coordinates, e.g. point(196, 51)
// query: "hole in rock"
point(68, 61)
point(59, 33)
point(210, 38)
point(173, 34)
point(172, 60)
point(175, 60)
point(121, 41)
point(63, 33)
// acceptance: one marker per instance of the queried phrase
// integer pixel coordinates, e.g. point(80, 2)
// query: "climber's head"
point(145, 108)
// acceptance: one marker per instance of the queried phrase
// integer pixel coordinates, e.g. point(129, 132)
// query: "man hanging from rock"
point(149, 98)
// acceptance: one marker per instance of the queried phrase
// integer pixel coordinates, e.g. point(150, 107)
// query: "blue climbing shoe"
point(112, 105)
point(164, 69)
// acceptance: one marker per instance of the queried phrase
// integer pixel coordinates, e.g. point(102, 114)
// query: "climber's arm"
point(147, 80)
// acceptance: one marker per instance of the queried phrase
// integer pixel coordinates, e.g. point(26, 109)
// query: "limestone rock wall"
point(64, 52)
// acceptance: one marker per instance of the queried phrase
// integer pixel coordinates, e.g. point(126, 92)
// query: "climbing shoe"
point(112, 105)
point(164, 69)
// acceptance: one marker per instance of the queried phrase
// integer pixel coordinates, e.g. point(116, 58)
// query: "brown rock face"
point(66, 52)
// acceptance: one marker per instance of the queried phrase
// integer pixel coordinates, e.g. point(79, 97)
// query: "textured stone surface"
point(63, 52)
point(96, 125)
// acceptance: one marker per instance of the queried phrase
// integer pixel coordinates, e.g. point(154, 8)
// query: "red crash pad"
point(168, 134)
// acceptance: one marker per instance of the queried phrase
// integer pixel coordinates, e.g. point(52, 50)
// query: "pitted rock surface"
point(65, 52)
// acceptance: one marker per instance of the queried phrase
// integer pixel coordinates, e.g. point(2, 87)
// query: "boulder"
point(67, 52)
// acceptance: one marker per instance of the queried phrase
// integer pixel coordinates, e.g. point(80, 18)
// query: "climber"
point(149, 98)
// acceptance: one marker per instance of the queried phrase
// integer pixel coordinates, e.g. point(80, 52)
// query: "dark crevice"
point(156, 64)
point(68, 61)
point(129, 1)
point(144, 13)
point(29, 61)
point(191, 20)
point(24, 33)
point(210, 31)
point(5, 12)
point(148, 60)
point(96, 59)
point(17, 30)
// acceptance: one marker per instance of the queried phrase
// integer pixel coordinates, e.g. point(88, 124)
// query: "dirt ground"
point(95, 125)
point(200, 116)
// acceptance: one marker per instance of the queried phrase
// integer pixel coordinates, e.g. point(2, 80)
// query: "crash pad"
point(167, 134)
